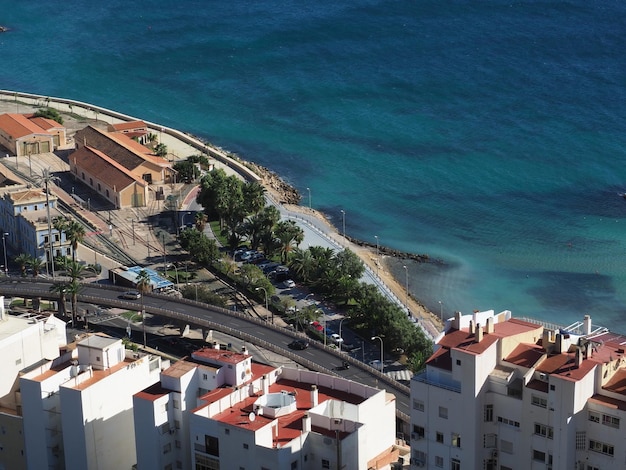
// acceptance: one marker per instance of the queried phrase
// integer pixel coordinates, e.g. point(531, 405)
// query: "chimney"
point(578, 357)
point(216, 345)
point(457, 320)
point(587, 325)
point(306, 423)
point(588, 350)
point(558, 343)
point(314, 396)
point(479, 333)
point(244, 350)
point(265, 384)
point(472, 330)
point(490, 326)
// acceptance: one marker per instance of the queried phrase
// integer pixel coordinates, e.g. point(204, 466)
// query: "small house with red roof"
point(27, 135)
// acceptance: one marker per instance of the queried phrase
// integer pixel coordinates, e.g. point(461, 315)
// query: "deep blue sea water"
point(490, 135)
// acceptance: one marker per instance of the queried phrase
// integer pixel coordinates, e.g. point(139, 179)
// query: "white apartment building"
point(219, 410)
point(24, 341)
point(77, 409)
point(503, 393)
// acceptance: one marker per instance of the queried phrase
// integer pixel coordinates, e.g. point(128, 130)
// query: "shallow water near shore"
point(488, 135)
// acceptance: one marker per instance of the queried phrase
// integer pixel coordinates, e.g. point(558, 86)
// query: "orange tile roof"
point(219, 355)
point(525, 355)
point(153, 392)
point(18, 125)
point(97, 163)
point(609, 402)
point(45, 123)
point(462, 339)
point(617, 384)
point(129, 125)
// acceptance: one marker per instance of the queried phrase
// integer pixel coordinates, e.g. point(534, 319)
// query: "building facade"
point(77, 409)
point(503, 393)
point(219, 410)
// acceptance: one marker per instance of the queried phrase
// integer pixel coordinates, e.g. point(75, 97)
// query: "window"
point(601, 447)
point(107, 192)
point(212, 445)
point(177, 444)
point(595, 417)
point(325, 463)
point(458, 362)
point(508, 422)
point(294, 465)
point(455, 464)
point(552, 388)
point(167, 448)
point(506, 446)
point(205, 376)
point(544, 431)
point(539, 456)
point(488, 413)
point(443, 412)
point(581, 440)
point(539, 401)
point(206, 463)
point(439, 461)
point(439, 437)
point(418, 405)
point(176, 404)
point(91, 181)
point(99, 187)
point(227, 431)
point(456, 440)
point(609, 420)
point(419, 431)
point(245, 446)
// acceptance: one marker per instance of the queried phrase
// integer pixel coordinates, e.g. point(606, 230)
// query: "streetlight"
point(164, 252)
point(340, 342)
point(382, 362)
point(4, 245)
point(406, 273)
point(266, 305)
point(309, 190)
point(441, 310)
point(343, 222)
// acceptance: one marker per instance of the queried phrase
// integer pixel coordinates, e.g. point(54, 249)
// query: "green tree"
point(200, 220)
point(187, 171)
point(253, 197)
point(303, 264)
point(290, 235)
point(72, 288)
point(160, 150)
point(36, 264)
point(49, 113)
point(59, 288)
point(75, 233)
point(22, 260)
point(143, 285)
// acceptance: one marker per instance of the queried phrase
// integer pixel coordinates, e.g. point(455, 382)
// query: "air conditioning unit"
point(543, 377)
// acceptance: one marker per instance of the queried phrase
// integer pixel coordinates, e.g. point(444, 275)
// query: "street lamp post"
point(382, 358)
point(406, 274)
point(266, 304)
point(343, 222)
point(4, 245)
point(309, 190)
point(340, 323)
point(441, 310)
point(164, 254)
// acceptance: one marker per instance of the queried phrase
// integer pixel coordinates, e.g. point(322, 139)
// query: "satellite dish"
point(251, 416)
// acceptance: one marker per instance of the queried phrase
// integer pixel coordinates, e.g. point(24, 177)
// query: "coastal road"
point(275, 339)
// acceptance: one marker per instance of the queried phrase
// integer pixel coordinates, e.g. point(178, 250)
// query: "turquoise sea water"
point(490, 135)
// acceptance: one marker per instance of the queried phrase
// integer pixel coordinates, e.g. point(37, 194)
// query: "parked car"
point(335, 338)
point(299, 344)
point(288, 283)
point(131, 294)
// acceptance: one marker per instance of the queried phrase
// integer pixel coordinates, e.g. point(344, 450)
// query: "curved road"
point(317, 357)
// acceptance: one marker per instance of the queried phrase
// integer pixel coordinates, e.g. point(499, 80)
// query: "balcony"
point(439, 382)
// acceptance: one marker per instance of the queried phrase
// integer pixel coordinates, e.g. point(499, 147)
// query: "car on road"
point(288, 283)
point(131, 295)
point(299, 344)
point(335, 338)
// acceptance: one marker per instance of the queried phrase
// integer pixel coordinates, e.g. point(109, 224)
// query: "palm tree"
point(73, 288)
point(60, 289)
point(75, 233)
point(46, 178)
point(143, 285)
point(289, 234)
point(60, 225)
point(22, 261)
point(36, 264)
point(200, 220)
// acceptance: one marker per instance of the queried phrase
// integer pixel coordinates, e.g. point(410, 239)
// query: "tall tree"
point(143, 285)
point(200, 220)
point(75, 233)
point(60, 289)
point(22, 260)
point(45, 179)
point(253, 197)
point(290, 235)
